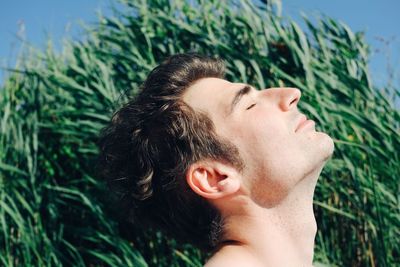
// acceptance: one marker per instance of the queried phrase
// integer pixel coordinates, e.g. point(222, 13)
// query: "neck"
point(282, 235)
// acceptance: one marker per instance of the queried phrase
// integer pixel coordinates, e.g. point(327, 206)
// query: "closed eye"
point(251, 106)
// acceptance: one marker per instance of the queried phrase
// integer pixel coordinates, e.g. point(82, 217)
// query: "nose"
point(286, 97)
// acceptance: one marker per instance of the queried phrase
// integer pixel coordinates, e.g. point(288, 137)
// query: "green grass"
point(53, 209)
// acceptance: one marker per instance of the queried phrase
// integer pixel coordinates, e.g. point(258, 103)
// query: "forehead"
point(212, 95)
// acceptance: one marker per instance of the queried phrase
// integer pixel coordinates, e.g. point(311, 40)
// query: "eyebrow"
point(238, 96)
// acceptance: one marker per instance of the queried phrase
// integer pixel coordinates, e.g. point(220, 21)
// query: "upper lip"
point(302, 119)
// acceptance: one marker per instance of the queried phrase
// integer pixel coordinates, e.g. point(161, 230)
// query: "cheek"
point(271, 158)
point(265, 144)
point(267, 135)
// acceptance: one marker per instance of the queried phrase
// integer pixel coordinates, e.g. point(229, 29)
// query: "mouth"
point(303, 122)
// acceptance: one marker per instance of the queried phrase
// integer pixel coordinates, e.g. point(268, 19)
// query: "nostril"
point(289, 97)
point(296, 96)
point(295, 99)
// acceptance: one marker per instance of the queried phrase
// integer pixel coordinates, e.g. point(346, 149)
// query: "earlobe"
point(212, 181)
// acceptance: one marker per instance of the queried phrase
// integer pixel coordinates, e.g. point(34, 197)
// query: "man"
point(221, 165)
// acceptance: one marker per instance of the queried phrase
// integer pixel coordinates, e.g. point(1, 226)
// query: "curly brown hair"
point(151, 142)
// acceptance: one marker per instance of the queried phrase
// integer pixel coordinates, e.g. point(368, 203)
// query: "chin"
point(327, 146)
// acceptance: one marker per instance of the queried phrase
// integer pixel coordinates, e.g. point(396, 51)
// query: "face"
point(263, 124)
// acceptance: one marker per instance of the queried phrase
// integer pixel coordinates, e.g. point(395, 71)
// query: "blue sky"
point(36, 21)
point(379, 19)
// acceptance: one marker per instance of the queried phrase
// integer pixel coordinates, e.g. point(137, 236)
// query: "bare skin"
point(267, 206)
point(279, 236)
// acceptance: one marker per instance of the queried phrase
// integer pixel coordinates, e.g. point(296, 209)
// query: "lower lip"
point(306, 124)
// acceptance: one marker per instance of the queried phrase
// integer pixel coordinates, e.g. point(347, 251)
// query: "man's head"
point(151, 142)
point(263, 125)
point(191, 146)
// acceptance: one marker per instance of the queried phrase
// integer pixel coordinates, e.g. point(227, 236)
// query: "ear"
point(212, 179)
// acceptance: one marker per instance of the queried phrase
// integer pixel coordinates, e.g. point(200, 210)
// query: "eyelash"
point(251, 106)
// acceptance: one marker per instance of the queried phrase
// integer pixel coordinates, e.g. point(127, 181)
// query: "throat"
point(283, 235)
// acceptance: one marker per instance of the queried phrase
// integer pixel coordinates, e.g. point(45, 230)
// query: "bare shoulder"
point(233, 257)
